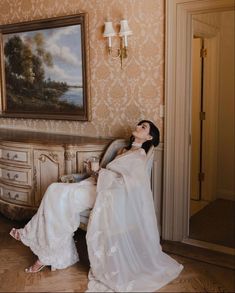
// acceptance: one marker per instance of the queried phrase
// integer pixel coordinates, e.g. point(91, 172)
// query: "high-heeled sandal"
point(38, 269)
point(15, 234)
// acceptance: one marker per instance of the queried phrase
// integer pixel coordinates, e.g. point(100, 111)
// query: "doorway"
point(178, 91)
point(211, 216)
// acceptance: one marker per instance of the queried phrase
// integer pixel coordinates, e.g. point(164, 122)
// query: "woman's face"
point(141, 132)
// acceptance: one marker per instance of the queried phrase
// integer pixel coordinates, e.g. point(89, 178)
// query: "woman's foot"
point(15, 233)
point(35, 268)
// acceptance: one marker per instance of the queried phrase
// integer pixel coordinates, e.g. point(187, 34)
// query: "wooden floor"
point(214, 223)
point(14, 257)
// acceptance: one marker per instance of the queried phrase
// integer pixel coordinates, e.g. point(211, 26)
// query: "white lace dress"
point(49, 233)
point(122, 235)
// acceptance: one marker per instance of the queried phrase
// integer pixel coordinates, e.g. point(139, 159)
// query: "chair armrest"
point(73, 178)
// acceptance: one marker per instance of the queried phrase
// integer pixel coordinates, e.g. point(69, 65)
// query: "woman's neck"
point(136, 144)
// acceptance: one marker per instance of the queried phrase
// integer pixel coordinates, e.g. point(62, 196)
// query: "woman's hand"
point(95, 176)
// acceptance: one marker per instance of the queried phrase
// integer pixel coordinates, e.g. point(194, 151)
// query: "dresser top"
point(48, 138)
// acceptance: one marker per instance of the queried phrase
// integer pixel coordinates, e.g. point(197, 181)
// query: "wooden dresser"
point(31, 161)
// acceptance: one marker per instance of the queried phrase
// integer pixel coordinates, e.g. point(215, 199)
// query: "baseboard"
point(210, 246)
point(199, 253)
point(225, 194)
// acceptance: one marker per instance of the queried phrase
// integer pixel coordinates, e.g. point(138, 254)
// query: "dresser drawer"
point(15, 155)
point(15, 195)
point(15, 175)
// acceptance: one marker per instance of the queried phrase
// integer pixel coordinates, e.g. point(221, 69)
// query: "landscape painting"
point(45, 71)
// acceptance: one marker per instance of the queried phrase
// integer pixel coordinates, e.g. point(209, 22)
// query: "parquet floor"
point(14, 257)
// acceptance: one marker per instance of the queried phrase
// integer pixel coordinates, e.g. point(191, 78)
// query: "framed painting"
point(45, 69)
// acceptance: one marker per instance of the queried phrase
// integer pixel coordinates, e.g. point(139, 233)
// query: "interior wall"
point(226, 125)
point(119, 98)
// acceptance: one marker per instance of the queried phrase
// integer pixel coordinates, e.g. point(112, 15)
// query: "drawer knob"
point(13, 197)
point(13, 158)
point(13, 178)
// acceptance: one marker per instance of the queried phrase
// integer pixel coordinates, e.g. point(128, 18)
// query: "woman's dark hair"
point(153, 131)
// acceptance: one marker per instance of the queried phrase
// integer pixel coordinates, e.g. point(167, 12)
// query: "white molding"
point(203, 29)
point(177, 103)
point(168, 189)
point(203, 6)
point(156, 183)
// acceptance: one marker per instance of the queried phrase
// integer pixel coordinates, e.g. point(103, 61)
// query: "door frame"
point(176, 174)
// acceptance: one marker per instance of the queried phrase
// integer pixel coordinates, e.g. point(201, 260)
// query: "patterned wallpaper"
point(119, 98)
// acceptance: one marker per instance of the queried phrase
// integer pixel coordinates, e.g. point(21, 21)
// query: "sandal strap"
point(37, 264)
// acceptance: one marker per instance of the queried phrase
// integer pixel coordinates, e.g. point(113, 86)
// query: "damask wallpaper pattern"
point(119, 98)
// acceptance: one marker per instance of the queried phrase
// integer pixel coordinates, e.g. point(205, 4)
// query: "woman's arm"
point(121, 151)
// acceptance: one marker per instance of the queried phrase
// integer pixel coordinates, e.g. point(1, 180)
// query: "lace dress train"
point(49, 233)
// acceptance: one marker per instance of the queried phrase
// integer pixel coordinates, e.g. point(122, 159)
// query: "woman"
point(122, 234)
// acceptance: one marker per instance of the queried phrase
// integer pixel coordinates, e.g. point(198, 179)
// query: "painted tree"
point(25, 65)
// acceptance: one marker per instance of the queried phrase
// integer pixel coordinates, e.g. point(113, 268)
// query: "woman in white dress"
point(122, 235)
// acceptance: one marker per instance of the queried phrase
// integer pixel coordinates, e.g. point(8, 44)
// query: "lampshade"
point(124, 29)
point(109, 32)
point(108, 29)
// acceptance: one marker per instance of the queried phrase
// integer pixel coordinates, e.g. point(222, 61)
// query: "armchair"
point(108, 156)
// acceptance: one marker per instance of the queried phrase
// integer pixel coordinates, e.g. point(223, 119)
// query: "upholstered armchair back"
point(116, 145)
point(111, 151)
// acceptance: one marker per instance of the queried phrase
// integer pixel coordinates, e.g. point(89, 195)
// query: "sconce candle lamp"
point(124, 32)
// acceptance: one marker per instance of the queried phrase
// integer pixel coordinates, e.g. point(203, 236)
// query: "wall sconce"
point(124, 32)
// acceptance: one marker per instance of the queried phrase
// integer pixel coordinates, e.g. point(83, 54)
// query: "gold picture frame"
point(45, 69)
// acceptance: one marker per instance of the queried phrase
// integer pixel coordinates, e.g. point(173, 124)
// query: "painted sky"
point(64, 44)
